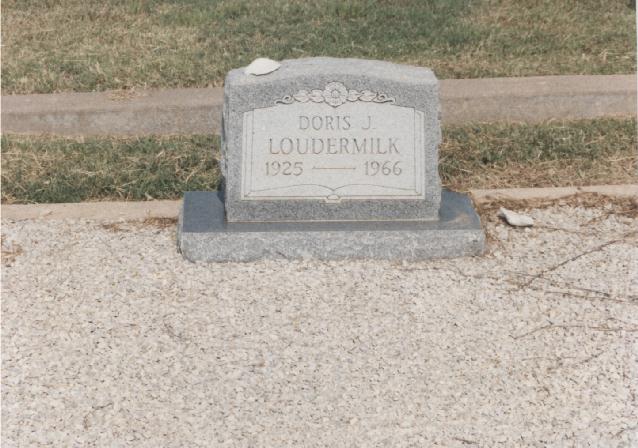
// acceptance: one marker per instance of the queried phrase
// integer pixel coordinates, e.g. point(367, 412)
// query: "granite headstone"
point(330, 158)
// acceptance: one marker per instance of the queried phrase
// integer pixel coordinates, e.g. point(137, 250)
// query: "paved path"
point(198, 111)
point(110, 338)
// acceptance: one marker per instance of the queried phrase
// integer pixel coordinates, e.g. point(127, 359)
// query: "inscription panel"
point(333, 144)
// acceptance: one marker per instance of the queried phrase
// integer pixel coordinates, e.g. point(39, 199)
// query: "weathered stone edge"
point(198, 111)
point(135, 211)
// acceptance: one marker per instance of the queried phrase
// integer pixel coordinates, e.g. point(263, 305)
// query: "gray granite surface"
point(204, 235)
point(385, 91)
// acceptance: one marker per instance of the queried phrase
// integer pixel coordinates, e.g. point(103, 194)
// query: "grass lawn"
point(87, 45)
point(37, 170)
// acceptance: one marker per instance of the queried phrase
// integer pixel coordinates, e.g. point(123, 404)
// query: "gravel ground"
point(111, 339)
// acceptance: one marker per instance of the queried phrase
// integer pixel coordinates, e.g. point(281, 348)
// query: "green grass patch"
point(47, 169)
point(553, 154)
point(89, 45)
point(39, 170)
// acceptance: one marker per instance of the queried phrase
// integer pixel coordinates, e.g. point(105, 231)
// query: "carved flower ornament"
point(335, 94)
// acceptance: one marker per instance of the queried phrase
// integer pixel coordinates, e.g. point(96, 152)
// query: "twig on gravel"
point(85, 420)
point(562, 229)
point(567, 326)
point(628, 428)
point(576, 257)
point(465, 441)
point(589, 358)
point(171, 332)
point(622, 321)
point(561, 361)
point(632, 299)
point(594, 294)
point(591, 297)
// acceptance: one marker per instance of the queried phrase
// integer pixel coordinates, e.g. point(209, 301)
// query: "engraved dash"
point(334, 168)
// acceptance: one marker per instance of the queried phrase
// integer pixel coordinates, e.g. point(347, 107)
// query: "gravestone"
point(330, 158)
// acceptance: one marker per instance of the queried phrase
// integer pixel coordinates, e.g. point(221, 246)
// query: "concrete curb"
point(93, 211)
point(137, 211)
point(198, 111)
point(552, 193)
point(159, 112)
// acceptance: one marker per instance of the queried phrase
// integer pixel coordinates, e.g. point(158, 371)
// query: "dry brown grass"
point(553, 154)
point(87, 45)
point(550, 173)
point(49, 169)
point(588, 152)
point(547, 37)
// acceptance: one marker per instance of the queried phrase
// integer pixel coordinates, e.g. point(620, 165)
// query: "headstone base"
point(204, 235)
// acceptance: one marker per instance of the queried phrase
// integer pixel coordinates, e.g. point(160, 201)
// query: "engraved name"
point(331, 145)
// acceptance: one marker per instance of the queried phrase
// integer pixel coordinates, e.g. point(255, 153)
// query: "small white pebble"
point(515, 219)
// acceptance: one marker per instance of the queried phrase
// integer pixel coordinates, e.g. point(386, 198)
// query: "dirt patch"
point(129, 226)
point(115, 227)
point(612, 205)
point(10, 251)
point(608, 206)
point(162, 223)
